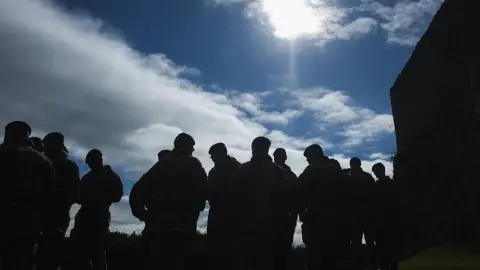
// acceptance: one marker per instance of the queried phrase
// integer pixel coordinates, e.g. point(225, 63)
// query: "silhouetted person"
point(138, 203)
point(27, 179)
point(37, 144)
point(321, 193)
point(389, 231)
point(56, 215)
point(364, 198)
point(222, 212)
point(288, 220)
point(163, 153)
point(99, 188)
point(177, 188)
point(260, 187)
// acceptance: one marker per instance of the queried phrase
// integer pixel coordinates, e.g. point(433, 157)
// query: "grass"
point(443, 258)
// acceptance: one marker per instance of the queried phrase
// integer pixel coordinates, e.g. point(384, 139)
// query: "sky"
point(127, 76)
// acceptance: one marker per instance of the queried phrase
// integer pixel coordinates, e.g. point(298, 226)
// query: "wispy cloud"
point(331, 107)
point(406, 21)
point(379, 156)
point(252, 103)
point(323, 21)
point(65, 72)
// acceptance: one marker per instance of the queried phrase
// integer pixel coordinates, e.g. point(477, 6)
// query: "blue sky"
point(128, 76)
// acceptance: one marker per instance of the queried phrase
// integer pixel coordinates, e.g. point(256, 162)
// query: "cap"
point(261, 142)
point(163, 153)
point(183, 139)
point(54, 138)
point(18, 127)
point(279, 151)
point(218, 147)
point(92, 153)
point(313, 150)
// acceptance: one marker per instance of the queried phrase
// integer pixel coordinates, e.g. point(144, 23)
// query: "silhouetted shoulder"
point(34, 156)
point(193, 160)
point(234, 161)
point(70, 164)
point(369, 177)
point(244, 166)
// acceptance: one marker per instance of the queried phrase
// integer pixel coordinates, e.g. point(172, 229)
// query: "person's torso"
point(176, 184)
point(96, 189)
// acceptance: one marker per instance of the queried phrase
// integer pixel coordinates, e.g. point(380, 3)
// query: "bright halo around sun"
point(291, 19)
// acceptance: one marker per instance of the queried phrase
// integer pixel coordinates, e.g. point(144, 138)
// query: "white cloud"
point(323, 20)
point(64, 72)
point(379, 156)
point(252, 103)
point(337, 109)
point(368, 128)
point(406, 21)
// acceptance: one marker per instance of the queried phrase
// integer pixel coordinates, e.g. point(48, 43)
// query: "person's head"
point(260, 146)
point(163, 154)
point(313, 153)
point(280, 156)
point(94, 159)
point(17, 132)
point(336, 164)
point(184, 143)
point(355, 163)
point(379, 170)
point(218, 152)
point(54, 142)
point(37, 144)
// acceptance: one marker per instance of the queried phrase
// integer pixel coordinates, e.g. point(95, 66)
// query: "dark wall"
point(432, 106)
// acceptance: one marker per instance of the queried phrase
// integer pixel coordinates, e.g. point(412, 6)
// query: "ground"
point(444, 258)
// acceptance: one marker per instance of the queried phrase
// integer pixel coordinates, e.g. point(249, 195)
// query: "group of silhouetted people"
point(253, 208)
point(38, 186)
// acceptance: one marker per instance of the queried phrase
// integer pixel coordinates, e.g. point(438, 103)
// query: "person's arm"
point(303, 190)
point(201, 182)
point(116, 187)
point(72, 183)
point(136, 201)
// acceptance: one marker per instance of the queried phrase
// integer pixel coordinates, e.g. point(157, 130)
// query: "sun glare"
point(291, 19)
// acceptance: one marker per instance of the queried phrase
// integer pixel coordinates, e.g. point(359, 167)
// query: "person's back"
point(177, 185)
point(219, 182)
point(56, 215)
point(364, 209)
point(287, 222)
point(176, 188)
point(27, 179)
point(67, 182)
point(221, 214)
point(321, 193)
point(139, 204)
point(99, 188)
point(389, 225)
point(221, 208)
point(260, 186)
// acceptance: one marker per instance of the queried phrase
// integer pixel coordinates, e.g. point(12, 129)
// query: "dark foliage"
point(124, 251)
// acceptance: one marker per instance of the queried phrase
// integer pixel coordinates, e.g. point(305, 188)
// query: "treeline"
point(124, 251)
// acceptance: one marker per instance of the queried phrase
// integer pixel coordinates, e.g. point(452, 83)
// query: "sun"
point(292, 19)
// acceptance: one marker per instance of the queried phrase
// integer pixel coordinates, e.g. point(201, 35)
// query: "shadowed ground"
point(444, 258)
